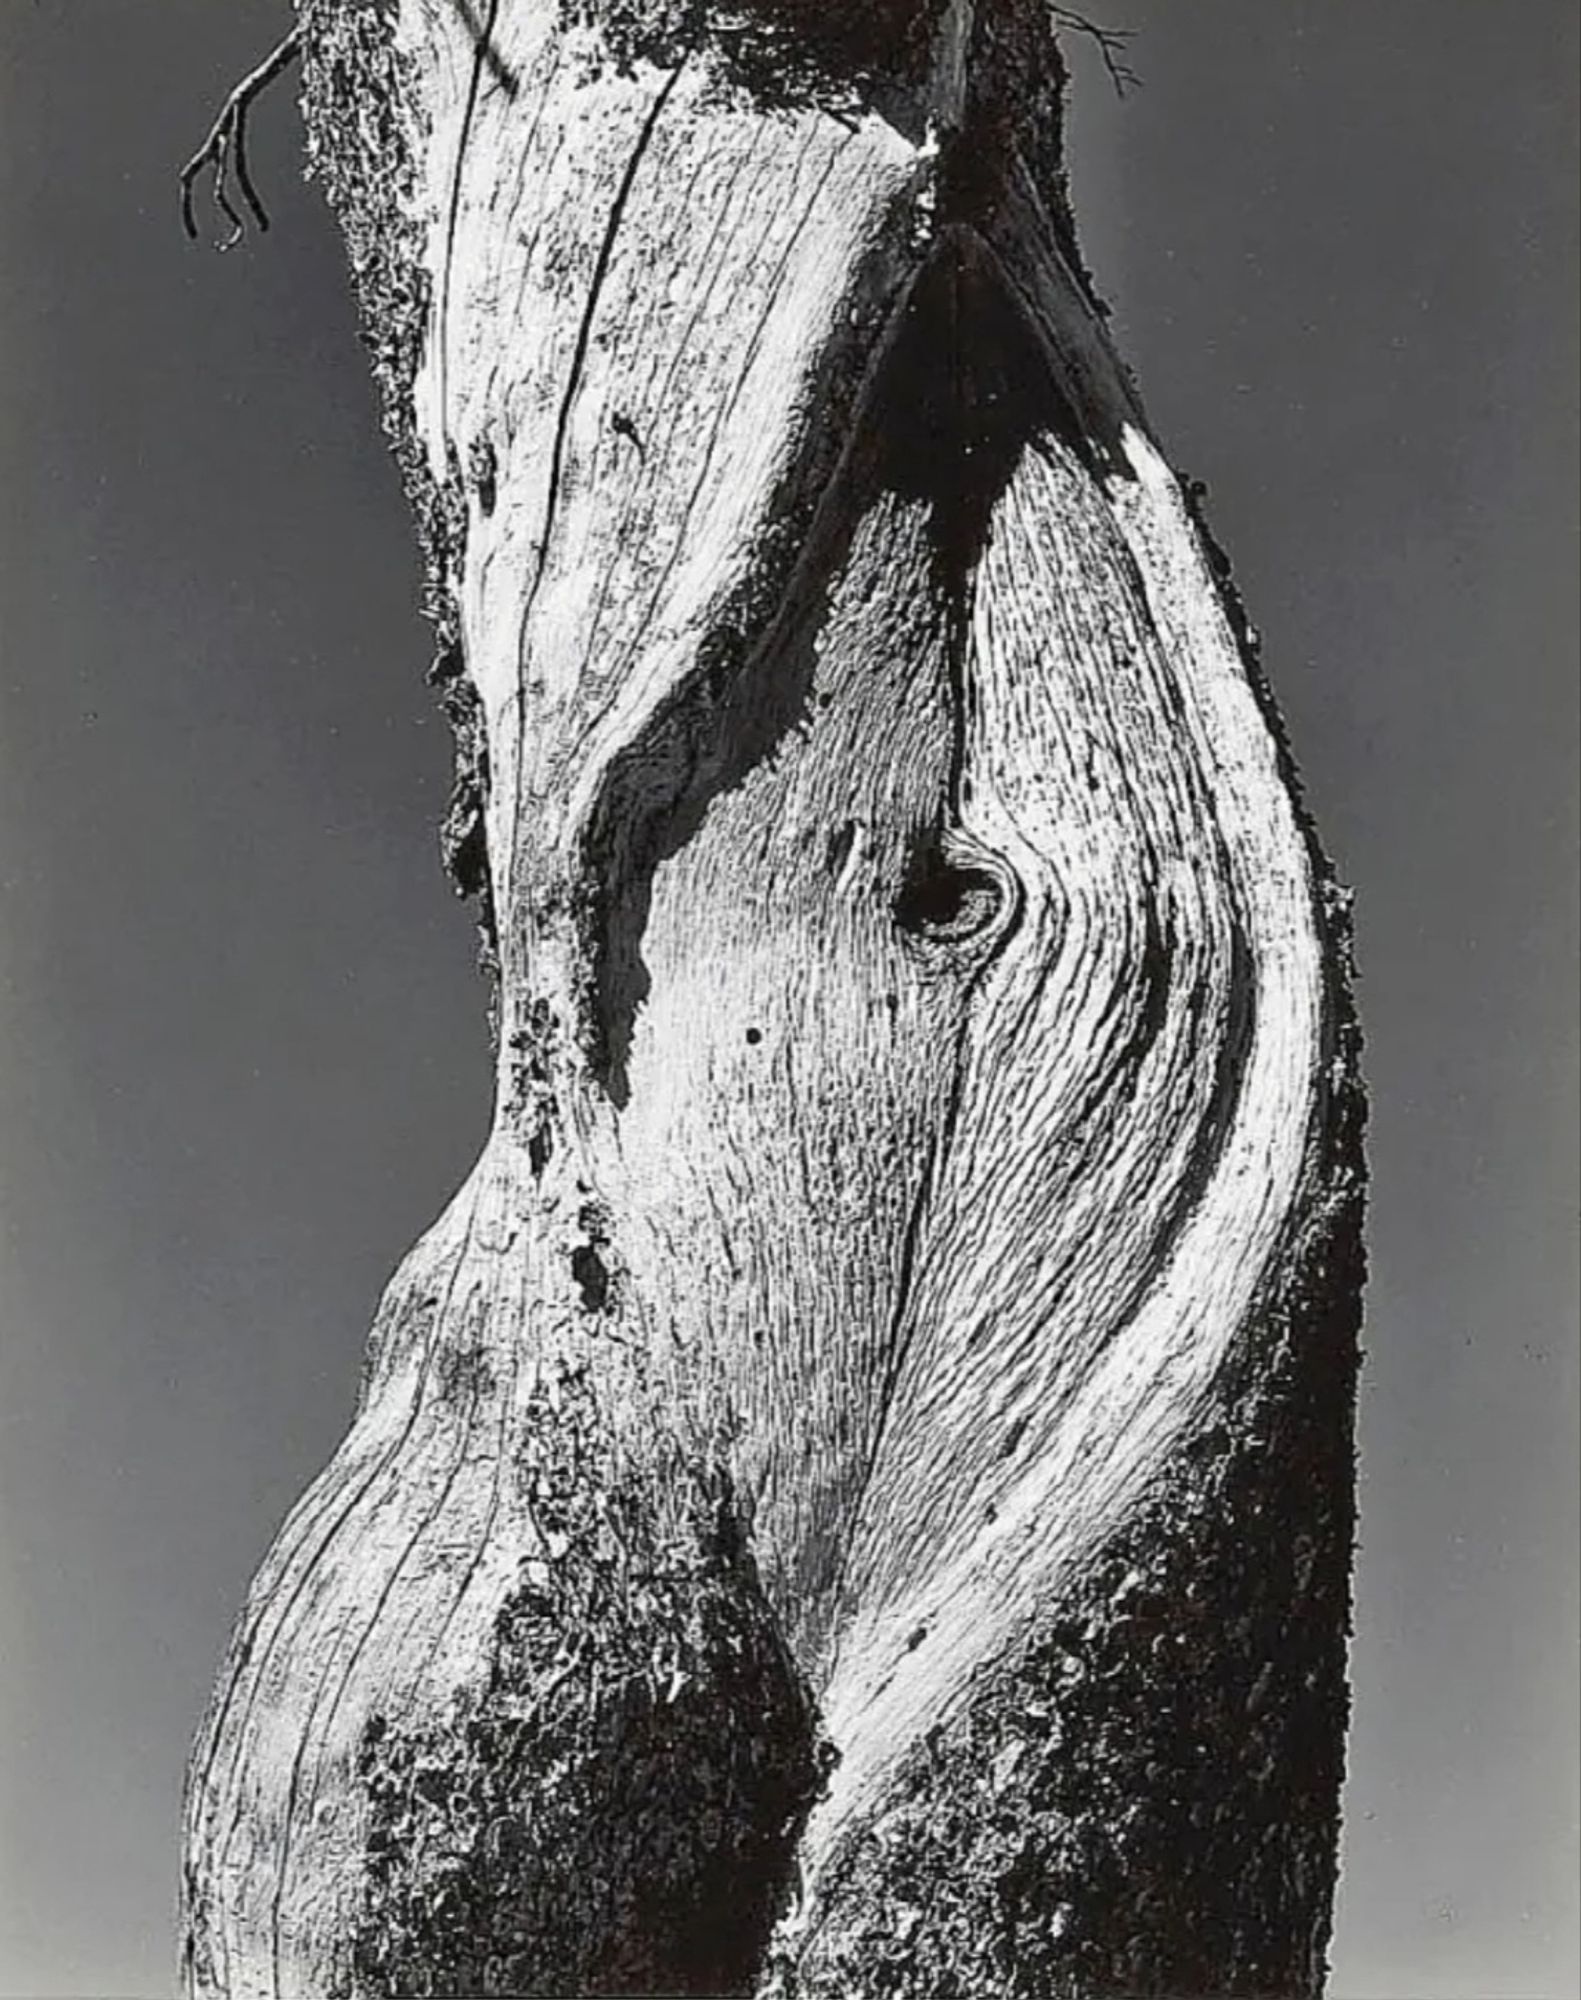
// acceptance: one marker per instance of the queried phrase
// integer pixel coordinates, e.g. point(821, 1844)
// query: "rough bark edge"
point(360, 152)
point(1146, 1800)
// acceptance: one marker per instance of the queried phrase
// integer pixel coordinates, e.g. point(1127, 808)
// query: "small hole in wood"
point(948, 898)
point(484, 468)
point(591, 1276)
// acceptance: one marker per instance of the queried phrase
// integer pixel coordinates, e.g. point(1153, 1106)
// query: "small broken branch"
point(1112, 44)
point(225, 149)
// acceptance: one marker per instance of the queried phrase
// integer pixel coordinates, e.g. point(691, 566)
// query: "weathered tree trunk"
point(854, 1496)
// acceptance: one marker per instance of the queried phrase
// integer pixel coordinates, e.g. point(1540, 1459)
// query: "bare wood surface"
point(854, 1494)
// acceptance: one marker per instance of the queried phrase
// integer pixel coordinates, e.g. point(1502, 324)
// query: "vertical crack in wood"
point(573, 383)
point(311, 1568)
point(482, 44)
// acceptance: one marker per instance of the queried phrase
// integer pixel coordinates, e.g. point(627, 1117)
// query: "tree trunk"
point(854, 1497)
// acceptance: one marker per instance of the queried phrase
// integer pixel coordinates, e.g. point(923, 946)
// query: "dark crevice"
point(839, 849)
point(483, 466)
point(1216, 1121)
point(484, 51)
point(1137, 1029)
point(592, 1277)
point(589, 1271)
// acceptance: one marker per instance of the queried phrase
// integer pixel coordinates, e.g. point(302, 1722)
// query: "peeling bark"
point(854, 1495)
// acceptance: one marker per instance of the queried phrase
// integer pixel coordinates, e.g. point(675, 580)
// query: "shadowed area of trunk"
point(854, 1495)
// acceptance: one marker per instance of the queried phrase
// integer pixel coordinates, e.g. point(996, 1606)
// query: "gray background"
point(242, 1053)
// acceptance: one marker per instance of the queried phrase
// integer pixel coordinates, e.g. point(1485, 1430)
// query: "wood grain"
point(854, 1495)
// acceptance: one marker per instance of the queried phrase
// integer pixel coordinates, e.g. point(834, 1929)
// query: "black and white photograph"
point(789, 876)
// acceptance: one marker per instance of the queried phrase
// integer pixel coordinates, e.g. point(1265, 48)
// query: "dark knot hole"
point(954, 894)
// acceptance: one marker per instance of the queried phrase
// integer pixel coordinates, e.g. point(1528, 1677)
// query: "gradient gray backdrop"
point(242, 1051)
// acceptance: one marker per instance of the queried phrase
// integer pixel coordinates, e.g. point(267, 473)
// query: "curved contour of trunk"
point(854, 1495)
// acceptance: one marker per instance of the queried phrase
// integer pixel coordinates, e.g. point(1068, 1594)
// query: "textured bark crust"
point(1143, 1800)
point(638, 1685)
point(854, 1496)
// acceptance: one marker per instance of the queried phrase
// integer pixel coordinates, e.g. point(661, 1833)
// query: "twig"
point(1112, 44)
point(225, 149)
